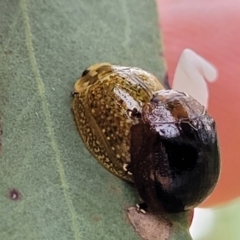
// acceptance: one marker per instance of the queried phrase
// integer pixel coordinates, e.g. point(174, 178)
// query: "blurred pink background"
point(211, 29)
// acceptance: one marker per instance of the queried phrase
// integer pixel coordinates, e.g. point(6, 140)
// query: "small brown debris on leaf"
point(14, 195)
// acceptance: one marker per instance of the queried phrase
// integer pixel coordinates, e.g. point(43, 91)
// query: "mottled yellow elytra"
point(106, 102)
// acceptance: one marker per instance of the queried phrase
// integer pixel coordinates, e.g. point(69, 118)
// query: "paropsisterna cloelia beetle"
point(162, 140)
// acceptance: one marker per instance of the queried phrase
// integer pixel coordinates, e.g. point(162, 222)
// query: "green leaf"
point(219, 222)
point(51, 187)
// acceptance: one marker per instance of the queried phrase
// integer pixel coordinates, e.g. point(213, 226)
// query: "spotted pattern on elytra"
point(107, 102)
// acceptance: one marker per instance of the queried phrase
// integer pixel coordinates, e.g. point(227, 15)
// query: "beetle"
point(162, 140)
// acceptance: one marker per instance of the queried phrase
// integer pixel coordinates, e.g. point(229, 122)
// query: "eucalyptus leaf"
point(51, 187)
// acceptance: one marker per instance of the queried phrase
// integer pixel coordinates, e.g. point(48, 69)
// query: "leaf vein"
point(49, 123)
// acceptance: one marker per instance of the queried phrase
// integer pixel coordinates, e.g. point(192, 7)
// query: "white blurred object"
point(191, 74)
point(203, 222)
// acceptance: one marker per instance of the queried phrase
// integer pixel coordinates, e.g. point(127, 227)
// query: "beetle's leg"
point(134, 113)
point(85, 72)
point(125, 165)
point(142, 207)
point(125, 168)
point(73, 94)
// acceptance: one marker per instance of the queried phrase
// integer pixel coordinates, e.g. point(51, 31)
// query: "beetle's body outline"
point(124, 115)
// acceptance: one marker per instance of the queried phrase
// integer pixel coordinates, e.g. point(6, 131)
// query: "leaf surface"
point(51, 187)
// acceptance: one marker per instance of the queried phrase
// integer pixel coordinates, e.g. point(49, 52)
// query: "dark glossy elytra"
point(174, 153)
point(162, 140)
